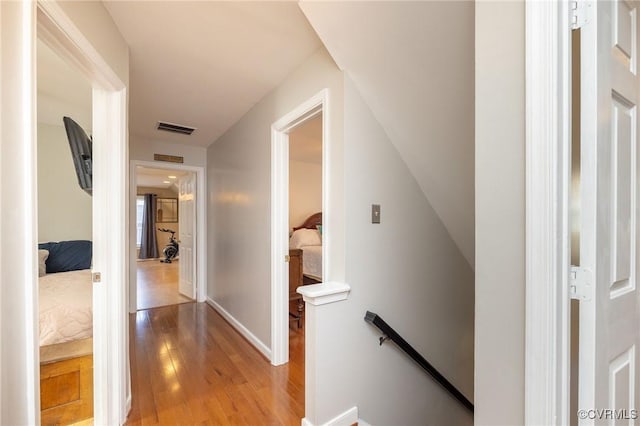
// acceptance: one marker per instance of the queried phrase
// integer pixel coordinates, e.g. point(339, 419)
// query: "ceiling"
point(415, 71)
point(62, 90)
point(158, 178)
point(205, 64)
point(305, 142)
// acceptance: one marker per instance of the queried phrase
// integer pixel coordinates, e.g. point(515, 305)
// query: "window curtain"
point(149, 242)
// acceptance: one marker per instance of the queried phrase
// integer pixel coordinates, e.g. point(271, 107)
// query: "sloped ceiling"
point(206, 63)
point(413, 63)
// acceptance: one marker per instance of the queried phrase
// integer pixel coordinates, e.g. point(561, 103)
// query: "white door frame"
point(319, 103)
point(45, 19)
point(201, 227)
point(548, 172)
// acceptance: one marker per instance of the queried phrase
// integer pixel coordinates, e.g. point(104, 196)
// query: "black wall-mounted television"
point(81, 151)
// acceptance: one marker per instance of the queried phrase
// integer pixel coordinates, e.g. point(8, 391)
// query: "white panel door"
point(609, 316)
point(187, 236)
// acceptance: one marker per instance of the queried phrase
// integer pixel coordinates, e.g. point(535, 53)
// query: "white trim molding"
point(548, 168)
point(319, 103)
point(347, 418)
point(240, 328)
point(20, 364)
point(323, 293)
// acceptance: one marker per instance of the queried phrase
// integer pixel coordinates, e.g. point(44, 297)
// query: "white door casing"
point(187, 236)
point(200, 273)
point(609, 314)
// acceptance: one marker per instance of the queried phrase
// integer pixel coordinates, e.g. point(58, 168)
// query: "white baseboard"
point(128, 407)
point(240, 328)
point(347, 418)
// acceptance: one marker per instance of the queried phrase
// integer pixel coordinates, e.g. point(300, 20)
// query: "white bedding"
point(65, 307)
point(312, 261)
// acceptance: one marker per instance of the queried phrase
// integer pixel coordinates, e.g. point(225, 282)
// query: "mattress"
point(312, 262)
point(66, 300)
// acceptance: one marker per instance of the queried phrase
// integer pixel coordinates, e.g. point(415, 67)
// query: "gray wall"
point(409, 271)
point(500, 213)
point(239, 197)
point(64, 209)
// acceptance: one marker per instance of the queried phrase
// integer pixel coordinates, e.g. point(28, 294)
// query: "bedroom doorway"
point(305, 225)
point(298, 226)
point(65, 240)
point(167, 212)
point(305, 222)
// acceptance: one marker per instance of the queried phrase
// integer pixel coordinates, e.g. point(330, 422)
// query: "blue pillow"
point(68, 255)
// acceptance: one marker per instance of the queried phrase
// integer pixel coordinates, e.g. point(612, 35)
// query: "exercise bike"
point(170, 251)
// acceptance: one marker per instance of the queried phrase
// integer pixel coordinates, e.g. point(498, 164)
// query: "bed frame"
point(311, 223)
point(296, 276)
point(66, 382)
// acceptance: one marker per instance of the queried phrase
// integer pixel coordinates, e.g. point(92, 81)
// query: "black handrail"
point(390, 333)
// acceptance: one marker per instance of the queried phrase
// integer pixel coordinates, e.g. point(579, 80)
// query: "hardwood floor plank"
point(189, 366)
point(157, 284)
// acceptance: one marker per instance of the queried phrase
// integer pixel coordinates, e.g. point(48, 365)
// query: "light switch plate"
point(375, 213)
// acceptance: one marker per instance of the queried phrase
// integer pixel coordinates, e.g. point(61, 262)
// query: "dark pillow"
point(67, 255)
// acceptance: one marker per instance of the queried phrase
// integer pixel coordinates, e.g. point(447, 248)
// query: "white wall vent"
point(175, 128)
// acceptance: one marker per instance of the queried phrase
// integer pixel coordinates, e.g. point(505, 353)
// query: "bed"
point(311, 245)
point(66, 330)
point(305, 262)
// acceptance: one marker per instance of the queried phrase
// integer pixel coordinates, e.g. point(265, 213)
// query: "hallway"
point(189, 366)
point(158, 284)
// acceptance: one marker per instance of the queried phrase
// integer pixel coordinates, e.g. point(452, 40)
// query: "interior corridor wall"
point(239, 197)
point(408, 270)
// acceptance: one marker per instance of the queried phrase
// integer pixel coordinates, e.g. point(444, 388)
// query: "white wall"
point(64, 209)
point(305, 191)
point(239, 201)
point(500, 213)
point(143, 150)
point(409, 271)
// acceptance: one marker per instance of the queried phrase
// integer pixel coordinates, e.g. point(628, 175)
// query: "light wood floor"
point(158, 284)
point(189, 366)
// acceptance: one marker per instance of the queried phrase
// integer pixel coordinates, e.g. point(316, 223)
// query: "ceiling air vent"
point(175, 128)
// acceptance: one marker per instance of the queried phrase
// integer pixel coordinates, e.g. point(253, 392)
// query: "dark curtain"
point(149, 242)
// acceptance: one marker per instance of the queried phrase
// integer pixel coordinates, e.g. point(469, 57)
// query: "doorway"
point(281, 255)
point(160, 212)
point(170, 195)
point(305, 223)
point(108, 187)
point(65, 240)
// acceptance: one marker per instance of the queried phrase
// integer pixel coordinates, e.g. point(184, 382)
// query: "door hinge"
point(579, 13)
point(287, 258)
point(580, 283)
point(96, 277)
